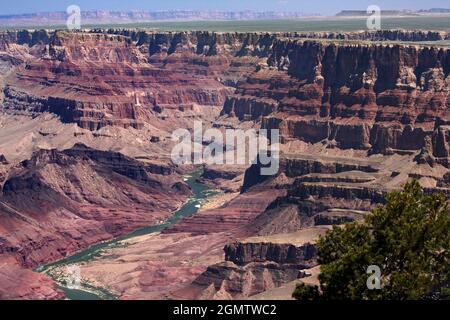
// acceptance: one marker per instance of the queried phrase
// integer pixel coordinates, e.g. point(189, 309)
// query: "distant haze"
point(324, 7)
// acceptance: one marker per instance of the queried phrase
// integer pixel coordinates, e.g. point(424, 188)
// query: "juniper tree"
point(408, 239)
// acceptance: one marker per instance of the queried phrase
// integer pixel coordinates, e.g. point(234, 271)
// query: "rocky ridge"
point(258, 264)
point(59, 202)
point(357, 119)
point(379, 98)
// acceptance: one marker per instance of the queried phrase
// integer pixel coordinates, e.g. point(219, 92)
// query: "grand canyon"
point(86, 119)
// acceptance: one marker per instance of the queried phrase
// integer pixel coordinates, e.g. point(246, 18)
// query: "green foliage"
point(408, 239)
point(307, 292)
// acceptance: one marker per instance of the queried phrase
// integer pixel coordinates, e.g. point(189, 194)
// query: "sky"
point(325, 7)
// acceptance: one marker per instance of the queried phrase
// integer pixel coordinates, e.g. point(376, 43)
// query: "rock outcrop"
point(244, 253)
point(22, 284)
point(226, 281)
point(63, 201)
point(258, 264)
point(60, 76)
point(224, 177)
point(236, 215)
point(357, 120)
point(380, 98)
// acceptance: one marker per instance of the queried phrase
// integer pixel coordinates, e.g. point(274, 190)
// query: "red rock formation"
point(336, 102)
point(257, 264)
point(227, 281)
point(320, 90)
point(244, 253)
point(237, 214)
point(380, 98)
point(134, 73)
point(62, 201)
point(61, 78)
point(293, 165)
point(17, 283)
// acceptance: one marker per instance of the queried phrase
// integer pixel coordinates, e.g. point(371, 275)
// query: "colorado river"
point(200, 193)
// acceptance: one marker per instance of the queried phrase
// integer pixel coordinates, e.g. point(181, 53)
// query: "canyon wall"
point(381, 98)
point(380, 35)
point(258, 264)
point(357, 120)
point(244, 253)
point(59, 202)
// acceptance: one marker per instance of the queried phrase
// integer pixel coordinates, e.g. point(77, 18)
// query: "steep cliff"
point(244, 253)
point(257, 264)
point(62, 201)
point(332, 82)
point(381, 35)
point(380, 98)
point(60, 74)
point(3, 168)
point(357, 119)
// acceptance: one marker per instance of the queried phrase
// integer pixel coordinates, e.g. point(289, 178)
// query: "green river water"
point(200, 193)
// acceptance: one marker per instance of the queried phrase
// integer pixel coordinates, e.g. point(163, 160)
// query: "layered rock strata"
point(59, 202)
point(380, 98)
point(18, 283)
point(258, 264)
point(357, 119)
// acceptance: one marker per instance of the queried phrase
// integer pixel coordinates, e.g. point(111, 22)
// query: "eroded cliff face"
point(381, 35)
point(227, 281)
point(357, 120)
point(380, 98)
point(61, 201)
point(202, 42)
point(244, 253)
point(125, 78)
point(258, 264)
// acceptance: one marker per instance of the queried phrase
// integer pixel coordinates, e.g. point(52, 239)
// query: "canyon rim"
point(87, 175)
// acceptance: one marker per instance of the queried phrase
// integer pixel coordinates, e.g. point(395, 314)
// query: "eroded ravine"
point(86, 291)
